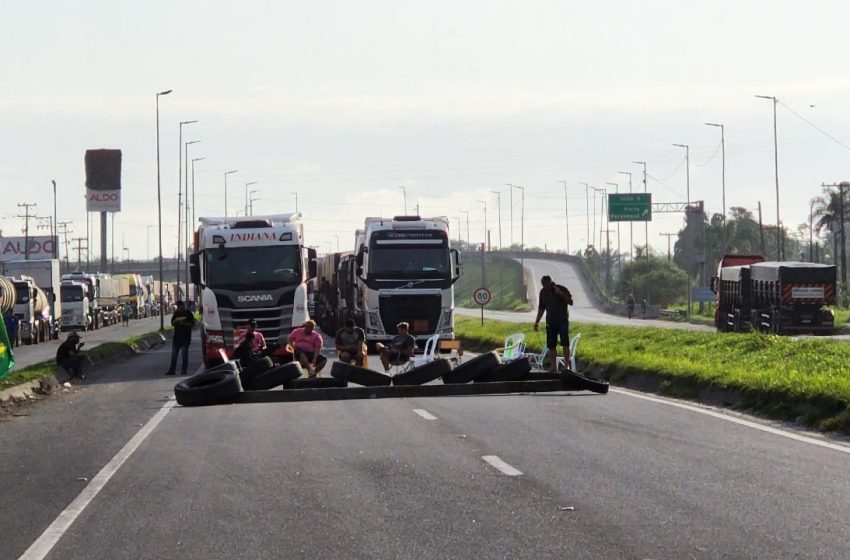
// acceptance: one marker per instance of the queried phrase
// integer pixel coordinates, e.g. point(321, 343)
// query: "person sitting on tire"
point(399, 350)
point(307, 348)
point(68, 355)
point(350, 343)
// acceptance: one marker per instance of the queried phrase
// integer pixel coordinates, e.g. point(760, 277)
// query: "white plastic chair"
point(573, 348)
point(538, 360)
point(514, 348)
point(429, 353)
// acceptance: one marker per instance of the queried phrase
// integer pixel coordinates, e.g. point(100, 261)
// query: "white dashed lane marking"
point(501, 466)
point(424, 414)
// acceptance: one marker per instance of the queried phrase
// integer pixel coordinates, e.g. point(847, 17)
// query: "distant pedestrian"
point(307, 348)
point(643, 305)
point(555, 300)
point(68, 355)
point(630, 305)
point(182, 321)
point(12, 324)
point(125, 314)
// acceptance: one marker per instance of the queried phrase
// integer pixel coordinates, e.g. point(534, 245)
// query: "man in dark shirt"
point(351, 344)
point(182, 321)
point(554, 299)
point(69, 357)
point(400, 349)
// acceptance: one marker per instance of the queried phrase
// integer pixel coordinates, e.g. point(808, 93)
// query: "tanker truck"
point(7, 303)
point(45, 274)
point(32, 308)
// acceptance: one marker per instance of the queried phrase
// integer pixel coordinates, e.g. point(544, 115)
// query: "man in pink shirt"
point(307, 348)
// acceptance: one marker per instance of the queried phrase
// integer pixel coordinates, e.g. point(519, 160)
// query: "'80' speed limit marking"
point(481, 296)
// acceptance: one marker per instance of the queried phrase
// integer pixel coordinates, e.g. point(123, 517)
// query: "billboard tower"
point(103, 190)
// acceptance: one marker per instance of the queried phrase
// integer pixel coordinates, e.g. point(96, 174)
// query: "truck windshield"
point(70, 293)
point(409, 262)
point(253, 268)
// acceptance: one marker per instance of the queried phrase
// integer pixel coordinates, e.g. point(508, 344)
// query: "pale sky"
point(343, 102)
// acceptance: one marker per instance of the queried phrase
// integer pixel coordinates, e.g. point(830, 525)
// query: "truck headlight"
point(374, 320)
point(445, 323)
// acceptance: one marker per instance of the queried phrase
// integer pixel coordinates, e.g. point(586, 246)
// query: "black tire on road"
point(253, 370)
point(424, 373)
point(577, 382)
point(208, 388)
point(275, 377)
point(515, 370)
point(315, 383)
point(359, 375)
point(227, 366)
point(477, 366)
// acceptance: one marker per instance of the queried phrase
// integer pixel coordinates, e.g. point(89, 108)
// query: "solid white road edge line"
point(739, 421)
point(48, 539)
point(424, 414)
point(501, 466)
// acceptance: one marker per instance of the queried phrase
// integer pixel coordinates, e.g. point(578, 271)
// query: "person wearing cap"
point(68, 355)
point(183, 322)
point(307, 348)
point(250, 345)
point(400, 349)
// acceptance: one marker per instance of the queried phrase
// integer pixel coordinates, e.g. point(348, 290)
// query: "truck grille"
point(421, 311)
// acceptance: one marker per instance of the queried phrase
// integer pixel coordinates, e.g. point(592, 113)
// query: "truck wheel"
point(515, 370)
point(475, 367)
point(274, 377)
point(424, 373)
point(208, 388)
point(359, 375)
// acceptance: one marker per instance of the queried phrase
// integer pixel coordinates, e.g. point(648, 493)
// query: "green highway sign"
point(635, 207)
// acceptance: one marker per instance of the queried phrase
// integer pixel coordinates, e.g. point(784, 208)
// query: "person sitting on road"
point(351, 344)
point(307, 348)
point(68, 355)
point(400, 349)
point(251, 346)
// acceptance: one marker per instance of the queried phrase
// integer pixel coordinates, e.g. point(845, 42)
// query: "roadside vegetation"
point(804, 380)
point(504, 279)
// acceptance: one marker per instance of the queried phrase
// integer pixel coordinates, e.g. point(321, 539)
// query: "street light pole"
point(296, 201)
point(688, 215)
point(248, 184)
point(631, 223)
point(587, 210)
point(566, 216)
point(499, 207)
point(779, 230)
point(54, 234)
point(723, 161)
point(158, 210)
point(193, 189)
point(484, 202)
point(645, 224)
point(226, 173)
point(404, 195)
point(183, 232)
point(511, 193)
point(521, 228)
point(619, 259)
point(251, 200)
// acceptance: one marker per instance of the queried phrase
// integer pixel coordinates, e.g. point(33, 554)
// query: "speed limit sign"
point(481, 296)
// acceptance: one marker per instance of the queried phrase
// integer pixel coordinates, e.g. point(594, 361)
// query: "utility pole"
point(619, 251)
point(53, 229)
point(566, 215)
point(62, 228)
point(723, 161)
point(631, 224)
point(499, 207)
point(645, 224)
point(668, 236)
point(688, 246)
point(587, 210)
point(779, 255)
point(26, 216)
point(79, 250)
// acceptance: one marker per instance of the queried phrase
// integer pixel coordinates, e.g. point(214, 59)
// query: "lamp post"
point(193, 188)
point(619, 260)
point(631, 224)
point(181, 148)
point(54, 235)
point(226, 173)
point(604, 193)
point(404, 196)
point(687, 215)
point(779, 255)
point(722, 160)
point(521, 229)
point(248, 184)
point(181, 230)
point(296, 201)
point(499, 208)
point(484, 202)
point(511, 193)
point(645, 224)
point(158, 207)
point(251, 200)
point(587, 210)
point(566, 215)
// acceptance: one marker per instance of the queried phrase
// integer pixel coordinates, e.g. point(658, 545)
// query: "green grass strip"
point(784, 378)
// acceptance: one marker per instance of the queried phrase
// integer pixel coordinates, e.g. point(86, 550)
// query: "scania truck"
point(253, 267)
point(405, 272)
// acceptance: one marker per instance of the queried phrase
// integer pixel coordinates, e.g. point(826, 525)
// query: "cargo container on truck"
point(251, 268)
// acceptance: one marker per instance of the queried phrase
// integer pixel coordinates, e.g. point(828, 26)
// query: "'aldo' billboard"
point(40, 247)
point(103, 180)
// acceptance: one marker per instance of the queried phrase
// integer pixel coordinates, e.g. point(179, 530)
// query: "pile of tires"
point(476, 367)
point(423, 374)
point(514, 370)
point(361, 376)
point(218, 385)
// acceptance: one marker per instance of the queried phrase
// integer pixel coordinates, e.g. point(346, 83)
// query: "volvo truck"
point(253, 267)
point(405, 271)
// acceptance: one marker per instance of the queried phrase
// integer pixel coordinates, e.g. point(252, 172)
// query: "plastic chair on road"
point(539, 361)
point(514, 348)
point(429, 353)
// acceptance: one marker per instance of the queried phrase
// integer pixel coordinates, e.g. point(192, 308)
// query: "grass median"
point(807, 380)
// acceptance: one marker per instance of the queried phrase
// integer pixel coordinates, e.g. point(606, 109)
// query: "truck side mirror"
point(363, 250)
point(312, 263)
point(457, 267)
point(194, 269)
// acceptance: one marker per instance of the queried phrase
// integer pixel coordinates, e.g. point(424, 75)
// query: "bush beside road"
point(804, 380)
point(504, 279)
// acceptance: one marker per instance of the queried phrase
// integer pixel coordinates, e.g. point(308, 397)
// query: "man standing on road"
point(182, 321)
point(351, 344)
point(307, 348)
point(68, 355)
point(11, 323)
point(555, 300)
point(125, 315)
point(400, 348)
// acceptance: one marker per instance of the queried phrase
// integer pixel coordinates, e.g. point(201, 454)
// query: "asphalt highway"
point(571, 475)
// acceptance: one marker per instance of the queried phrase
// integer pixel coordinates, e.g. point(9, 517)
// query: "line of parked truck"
point(46, 302)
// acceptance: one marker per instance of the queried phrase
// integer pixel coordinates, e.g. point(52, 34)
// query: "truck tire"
point(477, 366)
point(315, 383)
point(424, 373)
point(515, 370)
point(577, 382)
point(274, 377)
point(253, 370)
point(208, 388)
point(359, 375)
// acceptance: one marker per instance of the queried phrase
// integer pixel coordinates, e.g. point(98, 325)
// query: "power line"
point(816, 127)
